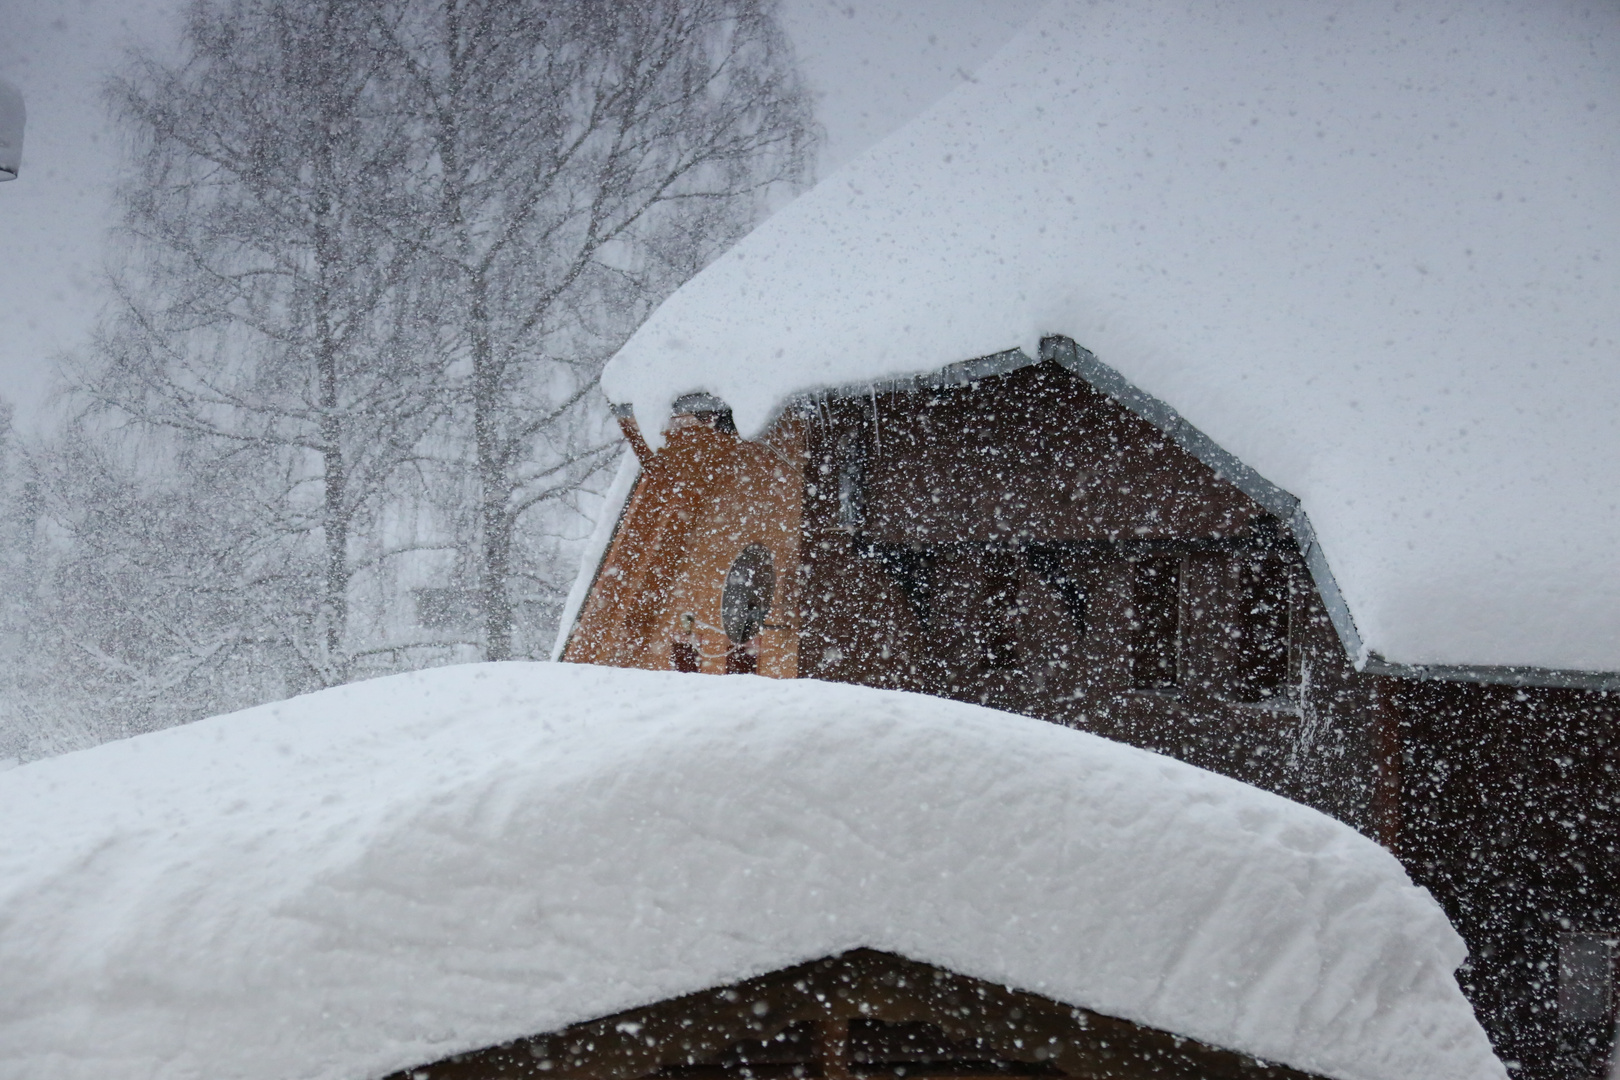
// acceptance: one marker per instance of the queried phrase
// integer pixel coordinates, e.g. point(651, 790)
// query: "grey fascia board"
point(1327, 587)
point(1498, 674)
point(1286, 508)
point(1083, 363)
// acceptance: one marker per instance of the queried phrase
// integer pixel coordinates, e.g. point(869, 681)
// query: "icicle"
point(877, 436)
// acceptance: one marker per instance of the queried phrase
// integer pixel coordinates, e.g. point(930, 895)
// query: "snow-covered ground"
point(1372, 249)
point(383, 874)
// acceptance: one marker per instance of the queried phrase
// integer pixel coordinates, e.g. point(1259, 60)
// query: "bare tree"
point(583, 159)
point(268, 314)
point(19, 513)
point(163, 600)
point(374, 256)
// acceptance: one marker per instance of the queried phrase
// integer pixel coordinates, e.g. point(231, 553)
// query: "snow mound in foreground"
point(386, 873)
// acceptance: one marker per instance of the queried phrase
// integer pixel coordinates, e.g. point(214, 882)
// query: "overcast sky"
point(874, 64)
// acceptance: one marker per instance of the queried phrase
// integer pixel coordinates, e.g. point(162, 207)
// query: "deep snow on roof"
point(386, 873)
point(1371, 249)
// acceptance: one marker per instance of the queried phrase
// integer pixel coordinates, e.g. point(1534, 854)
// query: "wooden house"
point(1365, 560)
point(1042, 537)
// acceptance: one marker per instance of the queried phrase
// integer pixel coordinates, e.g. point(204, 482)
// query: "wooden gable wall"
point(700, 501)
point(984, 505)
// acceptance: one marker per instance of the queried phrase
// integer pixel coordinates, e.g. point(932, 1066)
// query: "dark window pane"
point(1585, 978)
point(851, 481)
point(746, 598)
point(995, 631)
point(1155, 623)
point(1259, 641)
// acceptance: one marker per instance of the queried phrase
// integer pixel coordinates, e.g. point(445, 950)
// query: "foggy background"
point(872, 64)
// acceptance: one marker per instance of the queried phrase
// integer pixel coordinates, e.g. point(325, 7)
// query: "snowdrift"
point(1371, 249)
point(383, 874)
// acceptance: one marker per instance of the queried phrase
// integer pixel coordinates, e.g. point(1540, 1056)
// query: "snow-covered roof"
point(383, 874)
point(1372, 250)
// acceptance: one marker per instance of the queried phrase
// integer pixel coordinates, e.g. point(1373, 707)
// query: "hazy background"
point(873, 64)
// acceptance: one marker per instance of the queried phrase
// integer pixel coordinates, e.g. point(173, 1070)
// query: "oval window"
point(746, 598)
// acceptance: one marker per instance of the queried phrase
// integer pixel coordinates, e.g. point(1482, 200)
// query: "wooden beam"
point(632, 435)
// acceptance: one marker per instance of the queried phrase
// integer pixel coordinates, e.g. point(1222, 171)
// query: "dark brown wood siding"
point(1512, 820)
point(863, 1013)
point(1029, 544)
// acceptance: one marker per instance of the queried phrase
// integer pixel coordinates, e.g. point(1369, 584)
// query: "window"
point(1586, 965)
point(1258, 634)
point(851, 481)
point(1061, 571)
point(744, 602)
point(999, 612)
point(997, 636)
point(1155, 623)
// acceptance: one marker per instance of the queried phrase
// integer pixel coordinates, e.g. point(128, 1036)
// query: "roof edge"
point(615, 504)
point(1286, 507)
point(961, 373)
point(1497, 674)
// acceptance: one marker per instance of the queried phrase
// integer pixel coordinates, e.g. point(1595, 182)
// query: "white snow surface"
point(386, 873)
point(1372, 249)
point(590, 560)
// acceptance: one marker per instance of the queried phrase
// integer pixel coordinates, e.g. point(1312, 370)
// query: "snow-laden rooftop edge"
point(380, 875)
point(590, 559)
point(1372, 250)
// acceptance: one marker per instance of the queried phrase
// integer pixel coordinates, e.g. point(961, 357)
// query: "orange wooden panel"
point(700, 500)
